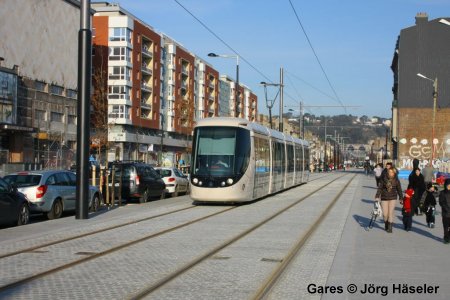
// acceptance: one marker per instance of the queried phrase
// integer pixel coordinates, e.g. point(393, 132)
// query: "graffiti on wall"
point(422, 149)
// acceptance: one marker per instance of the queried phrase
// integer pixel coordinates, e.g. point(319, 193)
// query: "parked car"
point(139, 181)
point(14, 206)
point(51, 192)
point(176, 182)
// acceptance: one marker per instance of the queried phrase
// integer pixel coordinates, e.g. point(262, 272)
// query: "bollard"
point(120, 186)
point(93, 175)
point(113, 175)
point(107, 188)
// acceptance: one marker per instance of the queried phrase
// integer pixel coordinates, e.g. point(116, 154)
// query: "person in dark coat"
point(429, 205)
point(388, 191)
point(444, 202)
point(417, 183)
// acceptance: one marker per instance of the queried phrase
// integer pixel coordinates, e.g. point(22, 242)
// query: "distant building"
point(38, 80)
point(422, 48)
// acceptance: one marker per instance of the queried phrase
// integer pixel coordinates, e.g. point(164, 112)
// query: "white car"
point(175, 181)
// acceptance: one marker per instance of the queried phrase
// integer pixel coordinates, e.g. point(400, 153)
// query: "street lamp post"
point(433, 124)
point(236, 88)
point(270, 103)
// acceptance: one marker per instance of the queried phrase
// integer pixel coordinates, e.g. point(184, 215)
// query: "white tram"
point(235, 160)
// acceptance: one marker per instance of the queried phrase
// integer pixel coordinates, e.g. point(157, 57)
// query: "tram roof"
point(256, 127)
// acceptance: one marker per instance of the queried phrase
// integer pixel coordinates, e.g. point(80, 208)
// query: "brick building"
point(422, 48)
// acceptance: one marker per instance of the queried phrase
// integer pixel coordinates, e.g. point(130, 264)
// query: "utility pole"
point(280, 126)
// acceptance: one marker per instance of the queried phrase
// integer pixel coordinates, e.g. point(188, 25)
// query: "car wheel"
point(144, 197)
point(95, 203)
point(24, 215)
point(56, 211)
point(163, 195)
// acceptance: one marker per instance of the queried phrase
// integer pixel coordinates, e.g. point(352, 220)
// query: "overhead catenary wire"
point(223, 42)
point(317, 57)
point(246, 61)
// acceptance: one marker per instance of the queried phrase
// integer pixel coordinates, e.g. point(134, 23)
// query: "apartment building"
point(38, 80)
point(207, 91)
point(224, 96)
point(127, 64)
point(155, 88)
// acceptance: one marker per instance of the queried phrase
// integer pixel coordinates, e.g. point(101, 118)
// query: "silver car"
point(51, 192)
point(176, 182)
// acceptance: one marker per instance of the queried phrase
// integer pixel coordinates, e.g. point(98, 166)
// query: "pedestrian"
point(444, 202)
point(406, 209)
point(429, 205)
point(428, 173)
point(386, 168)
point(417, 183)
point(387, 192)
point(378, 170)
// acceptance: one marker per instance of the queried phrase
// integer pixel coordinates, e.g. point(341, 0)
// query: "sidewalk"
point(404, 265)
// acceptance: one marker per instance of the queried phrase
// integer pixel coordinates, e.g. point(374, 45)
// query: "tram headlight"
point(195, 180)
point(229, 181)
point(222, 183)
point(200, 183)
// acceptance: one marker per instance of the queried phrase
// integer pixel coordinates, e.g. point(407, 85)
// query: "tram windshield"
point(221, 151)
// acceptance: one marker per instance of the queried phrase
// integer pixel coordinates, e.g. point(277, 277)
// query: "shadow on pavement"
point(364, 221)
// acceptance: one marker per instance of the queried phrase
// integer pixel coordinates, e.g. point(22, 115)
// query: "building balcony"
point(146, 70)
point(146, 104)
point(145, 87)
point(185, 71)
point(211, 85)
point(211, 98)
point(146, 51)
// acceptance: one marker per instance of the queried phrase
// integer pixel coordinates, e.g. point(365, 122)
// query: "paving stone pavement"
point(341, 251)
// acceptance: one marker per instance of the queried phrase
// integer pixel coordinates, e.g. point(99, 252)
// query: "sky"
point(354, 40)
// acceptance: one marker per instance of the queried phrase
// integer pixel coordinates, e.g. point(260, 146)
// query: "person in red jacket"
point(406, 209)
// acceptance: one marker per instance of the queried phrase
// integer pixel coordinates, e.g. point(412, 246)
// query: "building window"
point(6, 115)
point(120, 34)
point(120, 53)
point(40, 115)
point(56, 90)
point(119, 73)
point(118, 92)
point(40, 86)
point(56, 117)
point(72, 119)
point(119, 111)
point(72, 94)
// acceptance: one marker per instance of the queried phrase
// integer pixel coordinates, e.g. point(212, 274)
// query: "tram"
point(235, 160)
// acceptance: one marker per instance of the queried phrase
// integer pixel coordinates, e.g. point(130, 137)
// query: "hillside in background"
point(359, 130)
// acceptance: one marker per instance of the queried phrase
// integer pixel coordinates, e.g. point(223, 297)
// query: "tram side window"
point(290, 158)
point(262, 153)
point(298, 158)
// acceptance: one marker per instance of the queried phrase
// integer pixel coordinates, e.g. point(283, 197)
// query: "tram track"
point(92, 256)
point(82, 235)
point(163, 281)
point(272, 280)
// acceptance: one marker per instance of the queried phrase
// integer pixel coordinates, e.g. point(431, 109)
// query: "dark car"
point(139, 181)
point(14, 207)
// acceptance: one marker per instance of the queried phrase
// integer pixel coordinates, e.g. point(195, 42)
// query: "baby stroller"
point(376, 212)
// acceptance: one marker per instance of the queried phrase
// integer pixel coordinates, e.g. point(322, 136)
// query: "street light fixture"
point(435, 93)
point(270, 103)
point(236, 88)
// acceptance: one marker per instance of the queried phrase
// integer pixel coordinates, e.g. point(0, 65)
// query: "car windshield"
point(164, 173)
point(23, 180)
